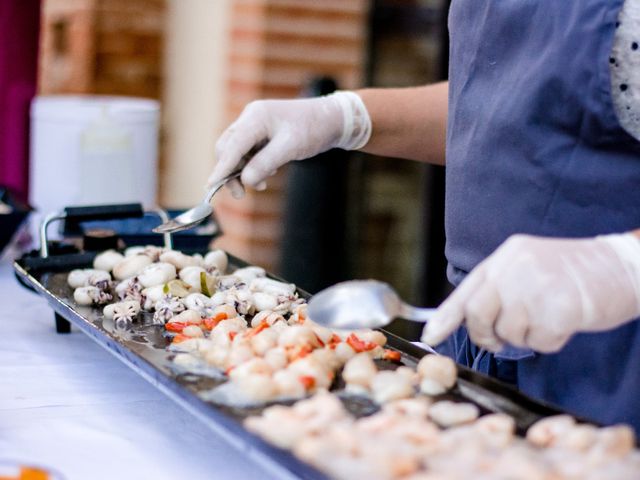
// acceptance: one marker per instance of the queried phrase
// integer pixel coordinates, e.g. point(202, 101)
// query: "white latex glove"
point(293, 130)
point(536, 292)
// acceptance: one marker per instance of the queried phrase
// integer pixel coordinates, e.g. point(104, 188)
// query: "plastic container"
point(90, 150)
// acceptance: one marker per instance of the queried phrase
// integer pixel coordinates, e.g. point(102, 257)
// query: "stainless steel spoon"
point(201, 212)
point(362, 304)
point(197, 214)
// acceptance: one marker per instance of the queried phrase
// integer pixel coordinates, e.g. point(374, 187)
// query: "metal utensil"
point(197, 214)
point(201, 212)
point(362, 304)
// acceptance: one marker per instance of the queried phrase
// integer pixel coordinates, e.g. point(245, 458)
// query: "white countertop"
point(68, 404)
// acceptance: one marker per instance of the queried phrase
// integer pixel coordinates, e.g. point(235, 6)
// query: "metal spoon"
point(197, 214)
point(201, 212)
point(362, 304)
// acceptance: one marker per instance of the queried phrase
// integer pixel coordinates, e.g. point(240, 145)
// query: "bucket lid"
point(84, 108)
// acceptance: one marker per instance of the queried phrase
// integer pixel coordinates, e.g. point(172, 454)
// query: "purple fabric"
point(19, 33)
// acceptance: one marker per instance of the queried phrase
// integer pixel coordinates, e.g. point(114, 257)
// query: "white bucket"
point(88, 150)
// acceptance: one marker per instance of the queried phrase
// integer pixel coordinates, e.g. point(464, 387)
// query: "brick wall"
point(102, 46)
point(276, 47)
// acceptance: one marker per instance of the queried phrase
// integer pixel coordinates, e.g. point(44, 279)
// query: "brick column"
point(276, 47)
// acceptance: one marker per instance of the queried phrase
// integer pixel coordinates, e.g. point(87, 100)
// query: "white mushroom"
point(130, 266)
point(388, 385)
point(216, 259)
point(446, 413)
point(107, 260)
point(157, 274)
point(179, 259)
point(437, 374)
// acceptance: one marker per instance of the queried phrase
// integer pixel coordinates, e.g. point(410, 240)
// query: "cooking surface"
point(143, 347)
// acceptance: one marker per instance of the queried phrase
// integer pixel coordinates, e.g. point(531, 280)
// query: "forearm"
point(408, 122)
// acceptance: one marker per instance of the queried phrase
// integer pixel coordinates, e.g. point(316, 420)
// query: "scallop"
point(288, 384)
point(247, 274)
point(360, 370)
point(298, 335)
point(107, 260)
point(310, 367)
point(132, 251)
point(264, 341)
point(546, 432)
point(239, 354)
point(276, 357)
point(266, 316)
point(437, 374)
point(251, 367)
point(131, 266)
point(157, 274)
point(257, 387)
point(447, 414)
point(272, 287)
point(179, 259)
point(388, 385)
point(192, 331)
point(264, 301)
point(190, 317)
point(216, 259)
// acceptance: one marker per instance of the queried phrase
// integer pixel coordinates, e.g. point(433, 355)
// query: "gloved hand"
point(293, 130)
point(536, 292)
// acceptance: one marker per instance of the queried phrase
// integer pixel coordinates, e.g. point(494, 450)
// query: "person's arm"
point(408, 123)
point(537, 292)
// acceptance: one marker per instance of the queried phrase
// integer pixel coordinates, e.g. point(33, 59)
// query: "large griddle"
point(143, 347)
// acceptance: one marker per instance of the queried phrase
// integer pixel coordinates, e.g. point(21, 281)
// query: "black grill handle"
point(103, 212)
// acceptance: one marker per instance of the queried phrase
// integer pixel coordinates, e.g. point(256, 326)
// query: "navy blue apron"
point(534, 146)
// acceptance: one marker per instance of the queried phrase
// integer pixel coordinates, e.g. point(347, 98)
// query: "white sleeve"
point(625, 68)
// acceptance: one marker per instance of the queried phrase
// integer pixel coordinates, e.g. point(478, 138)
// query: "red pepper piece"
point(211, 323)
point(307, 381)
point(180, 338)
point(391, 355)
point(175, 326)
point(360, 345)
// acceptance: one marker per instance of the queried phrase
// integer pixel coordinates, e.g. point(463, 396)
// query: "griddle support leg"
point(62, 325)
